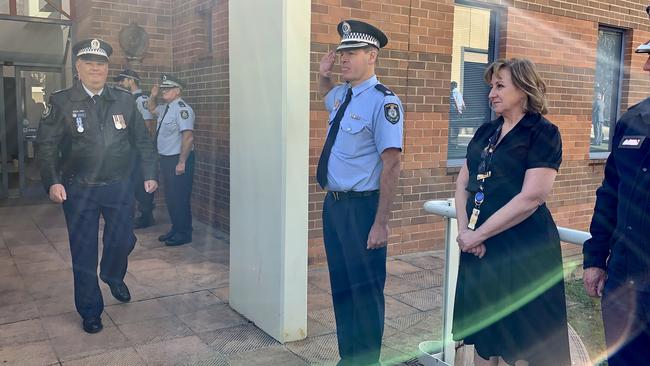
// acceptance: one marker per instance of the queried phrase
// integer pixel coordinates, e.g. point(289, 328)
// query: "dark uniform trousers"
point(178, 193)
point(82, 209)
point(144, 199)
point(357, 277)
point(626, 313)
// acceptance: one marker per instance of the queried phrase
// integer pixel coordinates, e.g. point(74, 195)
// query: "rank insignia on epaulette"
point(181, 104)
point(185, 115)
point(391, 111)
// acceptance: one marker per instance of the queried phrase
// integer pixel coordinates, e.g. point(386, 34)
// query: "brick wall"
point(207, 79)
point(560, 36)
point(105, 19)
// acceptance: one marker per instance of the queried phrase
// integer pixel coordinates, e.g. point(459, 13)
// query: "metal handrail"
point(446, 209)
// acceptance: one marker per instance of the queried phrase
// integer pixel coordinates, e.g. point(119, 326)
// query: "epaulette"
point(181, 104)
point(57, 91)
point(384, 89)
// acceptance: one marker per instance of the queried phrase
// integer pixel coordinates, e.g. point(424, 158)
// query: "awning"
point(26, 41)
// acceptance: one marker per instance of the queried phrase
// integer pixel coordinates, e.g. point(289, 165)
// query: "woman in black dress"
point(510, 293)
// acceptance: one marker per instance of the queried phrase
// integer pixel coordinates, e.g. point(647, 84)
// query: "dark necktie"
point(97, 107)
point(321, 171)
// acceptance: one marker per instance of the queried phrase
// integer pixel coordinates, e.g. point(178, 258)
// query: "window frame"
point(492, 53)
point(599, 155)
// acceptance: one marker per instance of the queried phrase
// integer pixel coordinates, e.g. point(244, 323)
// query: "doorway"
point(25, 92)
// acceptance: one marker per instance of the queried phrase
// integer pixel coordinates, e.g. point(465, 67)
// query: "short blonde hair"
point(525, 78)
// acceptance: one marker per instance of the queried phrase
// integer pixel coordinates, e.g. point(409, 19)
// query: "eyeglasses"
point(166, 90)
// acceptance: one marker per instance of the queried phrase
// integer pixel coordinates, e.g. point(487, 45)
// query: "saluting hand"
point(326, 64)
point(57, 193)
point(154, 91)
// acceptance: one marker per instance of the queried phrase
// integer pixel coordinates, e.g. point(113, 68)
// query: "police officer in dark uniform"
point(359, 167)
point(175, 143)
point(87, 138)
point(130, 81)
point(617, 257)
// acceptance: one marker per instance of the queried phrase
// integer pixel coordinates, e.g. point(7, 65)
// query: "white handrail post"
point(452, 257)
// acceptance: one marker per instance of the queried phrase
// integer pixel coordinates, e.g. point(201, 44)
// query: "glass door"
point(33, 89)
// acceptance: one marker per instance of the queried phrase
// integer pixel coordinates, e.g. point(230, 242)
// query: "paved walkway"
point(179, 314)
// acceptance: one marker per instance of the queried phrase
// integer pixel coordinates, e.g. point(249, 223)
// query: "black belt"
point(352, 194)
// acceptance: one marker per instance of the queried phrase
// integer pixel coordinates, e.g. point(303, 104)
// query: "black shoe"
point(166, 237)
point(143, 221)
point(93, 325)
point(120, 291)
point(178, 240)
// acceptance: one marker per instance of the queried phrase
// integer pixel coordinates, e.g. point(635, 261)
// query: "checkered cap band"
point(360, 37)
point(92, 51)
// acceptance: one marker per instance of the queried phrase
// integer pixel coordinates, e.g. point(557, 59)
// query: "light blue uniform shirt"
point(372, 123)
point(142, 103)
point(179, 118)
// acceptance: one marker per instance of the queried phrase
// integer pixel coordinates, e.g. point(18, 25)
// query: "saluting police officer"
point(359, 167)
point(175, 143)
point(617, 257)
point(86, 140)
point(130, 80)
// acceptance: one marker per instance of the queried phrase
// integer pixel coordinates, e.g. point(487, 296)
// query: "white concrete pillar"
point(269, 149)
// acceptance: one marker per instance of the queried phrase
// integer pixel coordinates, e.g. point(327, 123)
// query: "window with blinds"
point(473, 45)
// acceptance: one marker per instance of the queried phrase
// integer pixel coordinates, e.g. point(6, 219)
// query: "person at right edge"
point(617, 257)
point(174, 140)
point(359, 167)
point(510, 300)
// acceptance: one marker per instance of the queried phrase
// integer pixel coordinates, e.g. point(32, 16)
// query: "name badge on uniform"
point(119, 122)
point(355, 116)
point(631, 142)
point(79, 117)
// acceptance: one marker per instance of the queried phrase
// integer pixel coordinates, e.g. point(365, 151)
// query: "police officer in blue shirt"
point(86, 141)
point(617, 257)
point(130, 81)
point(359, 167)
point(175, 143)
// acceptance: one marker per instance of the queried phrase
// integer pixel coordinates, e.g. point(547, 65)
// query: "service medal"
point(80, 124)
